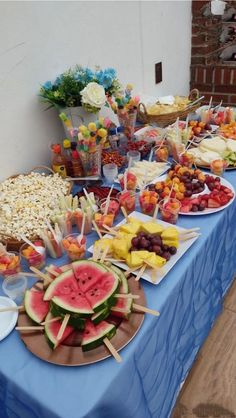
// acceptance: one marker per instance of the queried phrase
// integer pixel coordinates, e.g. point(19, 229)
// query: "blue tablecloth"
point(155, 363)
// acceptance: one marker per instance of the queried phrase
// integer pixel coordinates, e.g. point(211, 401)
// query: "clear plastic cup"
point(12, 267)
point(134, 155)
point(32, 258)
point(148, 200)
point(114, 206)
point(127, 200)
point(78, 219)
point(169, 210)
point(110, 172)
point(102, 219)
point(218, 167)
point(74, 248)
point(14, 286)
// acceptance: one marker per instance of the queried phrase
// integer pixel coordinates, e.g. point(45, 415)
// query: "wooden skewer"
point(124, 213)
point(146, 310)
point(45, 277)
point(189, 230)
point(104, 254)
point(96, 229)
point(156, 211)
point(110, 229)
point(131, 270)
point(138, 277)
point(51, 320)
point(112, 350)
point(50, 270)
point(26, 274)
point(126, 296)
point(123, 310)
point(189, 236)
point(30, 328)
point(63, 327)
point(11, 308)
point(114, 260)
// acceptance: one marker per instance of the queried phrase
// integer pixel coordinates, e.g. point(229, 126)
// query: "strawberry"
point(212, 203)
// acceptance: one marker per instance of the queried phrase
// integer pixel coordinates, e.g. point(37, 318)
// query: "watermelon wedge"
point(52, 329)
point(102, 294)
point(87, 273)
point(35, 306)
point(94, 335)
point(75, 320)
point(100, 316)
point(65, 284)
point(74, 303)
point(123, 307)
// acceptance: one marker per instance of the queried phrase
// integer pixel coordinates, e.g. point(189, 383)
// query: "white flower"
point(94, 95)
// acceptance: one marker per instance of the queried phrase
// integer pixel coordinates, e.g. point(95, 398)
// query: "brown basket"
point(11, 243)
point(168, 118)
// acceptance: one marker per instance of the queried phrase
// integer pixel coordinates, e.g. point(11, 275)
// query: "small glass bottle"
point(113, 138)
point(76, 164)
point(58, 161)
point(67, 153)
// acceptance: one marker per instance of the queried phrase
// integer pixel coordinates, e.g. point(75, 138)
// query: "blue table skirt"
point(155, 363)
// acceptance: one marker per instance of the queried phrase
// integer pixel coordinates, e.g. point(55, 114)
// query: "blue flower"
point(111, 71)
point(47, 85)
point(89, 74)
point(58, 80)
point(106, 77)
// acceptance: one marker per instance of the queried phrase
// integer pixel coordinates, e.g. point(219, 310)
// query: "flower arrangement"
point(81, 86)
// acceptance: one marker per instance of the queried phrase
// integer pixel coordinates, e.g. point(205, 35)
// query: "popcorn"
point(26, 201)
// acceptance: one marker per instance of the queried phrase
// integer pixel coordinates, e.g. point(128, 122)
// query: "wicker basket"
point(11, 243)
point(168, 118)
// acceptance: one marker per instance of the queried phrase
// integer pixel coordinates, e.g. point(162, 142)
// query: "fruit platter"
point(146, 247)
point(199, 193)
point(214, 148)
point(142, 172)
point(76, 312)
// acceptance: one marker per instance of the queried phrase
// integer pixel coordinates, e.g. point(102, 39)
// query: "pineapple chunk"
point(127, 237)
point(120, 248)
point(103, 243)
point(130, 228)
point(171, 242)
point(152, 227)
point(170, 233)
point(133, 260)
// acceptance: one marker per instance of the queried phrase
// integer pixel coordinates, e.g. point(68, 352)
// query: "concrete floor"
point(210, 389)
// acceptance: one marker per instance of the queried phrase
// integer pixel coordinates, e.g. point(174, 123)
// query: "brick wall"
point(208, 75)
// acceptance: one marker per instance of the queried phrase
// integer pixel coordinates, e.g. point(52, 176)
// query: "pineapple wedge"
point(152, 228)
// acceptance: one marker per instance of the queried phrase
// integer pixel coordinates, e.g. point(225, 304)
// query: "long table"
point(155, 363)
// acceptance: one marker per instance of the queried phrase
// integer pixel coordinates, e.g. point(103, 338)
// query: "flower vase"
point(128, 121)
point(78, 116)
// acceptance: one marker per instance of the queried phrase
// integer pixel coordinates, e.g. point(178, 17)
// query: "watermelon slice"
point(102, 294)
point(74, 303)
point(87, 273)
point(36, 308)
point(123, 307)
point(75, 320)
point(65, 284)
point(52, 329)
point(94, 335)
point(100, 316)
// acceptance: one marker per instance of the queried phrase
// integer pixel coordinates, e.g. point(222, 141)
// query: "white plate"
point(183, 247)
point(207, 211)
point(155, 179)
point(7, 319)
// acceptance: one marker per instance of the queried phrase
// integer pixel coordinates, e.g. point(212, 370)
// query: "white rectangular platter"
point(183, 247)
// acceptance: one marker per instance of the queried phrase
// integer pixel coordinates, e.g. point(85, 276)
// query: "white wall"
point(38, 40)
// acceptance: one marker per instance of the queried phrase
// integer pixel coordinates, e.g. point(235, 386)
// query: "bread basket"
point(168, 118)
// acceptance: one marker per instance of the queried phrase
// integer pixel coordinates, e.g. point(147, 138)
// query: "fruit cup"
point(114, 206)
point(102, 219)
point(186, 159)
point(127, 200)
point(131, 181)
point(162, 154)
point(169, 210)
point(78, 219)
point(148, 200)
point(177, 150)
point(32, 257)
point(9, 264)
point(218, 167)
point(74, 247)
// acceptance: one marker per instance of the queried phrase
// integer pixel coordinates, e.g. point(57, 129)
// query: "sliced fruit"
point(64, 284)
point(75, 320)
point(102, 294)
point(87, 273)
point(100, 316)
point(35, 306)
point(94, 335)
point(52, 329)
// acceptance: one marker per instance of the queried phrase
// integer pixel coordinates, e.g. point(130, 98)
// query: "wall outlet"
point(158, 72)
